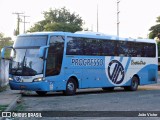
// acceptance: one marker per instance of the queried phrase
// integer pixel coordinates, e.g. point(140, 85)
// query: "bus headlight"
point(10, 78)
point(38, 79)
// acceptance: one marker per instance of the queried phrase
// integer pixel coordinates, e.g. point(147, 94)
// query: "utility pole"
point(118, 1)
point(24, 22)
point(97, 18)
point(18, 22)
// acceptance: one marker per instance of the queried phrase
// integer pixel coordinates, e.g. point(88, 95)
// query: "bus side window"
point(121, 45)
point(152, 50)
point(138, 49)
point(104, 49)
point(108, 47)
point(55, 56)
point(131, 49)
point(74, 46)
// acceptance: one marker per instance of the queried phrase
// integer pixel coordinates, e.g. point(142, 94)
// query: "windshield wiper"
point(17, 70)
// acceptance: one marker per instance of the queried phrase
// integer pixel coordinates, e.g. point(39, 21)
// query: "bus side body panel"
point(90, 71)
point(112, 71)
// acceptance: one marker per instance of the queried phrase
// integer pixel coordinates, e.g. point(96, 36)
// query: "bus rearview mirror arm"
point(42, 51)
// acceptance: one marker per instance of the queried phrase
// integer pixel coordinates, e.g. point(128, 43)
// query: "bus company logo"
point(116, 72)
point(18, 78)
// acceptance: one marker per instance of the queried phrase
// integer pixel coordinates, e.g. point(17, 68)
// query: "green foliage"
point(19, 107)
point(155, 30)
point(158, 48)
point(158, 19)
point(58, 20)
point(3, 88)
point(158, 44)
point(5, 41)
point(3, 107)
point(155, 33)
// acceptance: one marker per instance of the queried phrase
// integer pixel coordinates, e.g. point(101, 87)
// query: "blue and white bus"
point(63, 61)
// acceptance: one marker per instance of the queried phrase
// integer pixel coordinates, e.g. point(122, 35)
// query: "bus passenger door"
point(54, 60)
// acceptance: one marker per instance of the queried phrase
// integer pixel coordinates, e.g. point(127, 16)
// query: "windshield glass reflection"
point(26, 62)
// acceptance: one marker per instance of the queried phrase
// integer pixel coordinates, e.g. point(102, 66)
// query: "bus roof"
point(89, 34)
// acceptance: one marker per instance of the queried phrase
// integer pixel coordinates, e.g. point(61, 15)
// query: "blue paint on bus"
point(93, 61)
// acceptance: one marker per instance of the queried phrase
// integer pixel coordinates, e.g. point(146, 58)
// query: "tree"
point(59, 20)
point(155, 30)
point(5, 41)
point(155, 33)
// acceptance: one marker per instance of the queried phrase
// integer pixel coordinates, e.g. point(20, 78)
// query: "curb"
point(13, 103)
point(11, 106)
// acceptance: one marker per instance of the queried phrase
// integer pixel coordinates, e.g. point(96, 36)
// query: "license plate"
point(23, 87)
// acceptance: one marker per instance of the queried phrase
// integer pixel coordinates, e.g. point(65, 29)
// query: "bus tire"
point(41, 93)
point(71, 87)
point(108, 88)
point(134, 84)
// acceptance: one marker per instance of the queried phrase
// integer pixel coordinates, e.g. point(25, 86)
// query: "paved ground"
point(8, 96)
point(9, 99)
point(147, 98)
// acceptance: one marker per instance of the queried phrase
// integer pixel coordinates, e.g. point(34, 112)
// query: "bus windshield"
point(26, 61)
point(31, 41)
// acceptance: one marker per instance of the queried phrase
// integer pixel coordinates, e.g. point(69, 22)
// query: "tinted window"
point(108, 48)
point(148, 50)
point(75, 46)
point(122, 48)
point(100, 47)
point(92, 47)
point(55, 55)
point(88, 46)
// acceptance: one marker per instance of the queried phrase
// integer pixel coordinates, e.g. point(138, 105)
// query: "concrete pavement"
point(9, 98)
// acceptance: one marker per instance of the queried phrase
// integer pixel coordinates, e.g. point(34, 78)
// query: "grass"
point(3, 88)
point(3, 107)
point(19, 107)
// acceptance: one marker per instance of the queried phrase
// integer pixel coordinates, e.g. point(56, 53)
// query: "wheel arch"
point(135, 75)
point(75, 78)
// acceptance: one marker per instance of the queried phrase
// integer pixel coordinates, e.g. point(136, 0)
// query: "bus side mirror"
point(42, 51)
point(5, 52)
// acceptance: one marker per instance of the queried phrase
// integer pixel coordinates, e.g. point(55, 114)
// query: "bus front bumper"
point(32, 86)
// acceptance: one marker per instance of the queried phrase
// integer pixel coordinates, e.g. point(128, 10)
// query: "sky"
point(136, 16)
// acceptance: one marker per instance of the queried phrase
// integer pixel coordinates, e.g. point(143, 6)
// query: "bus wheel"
point(41, 93)
point(108, 88)
point(134, 84)
point(71, 87)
